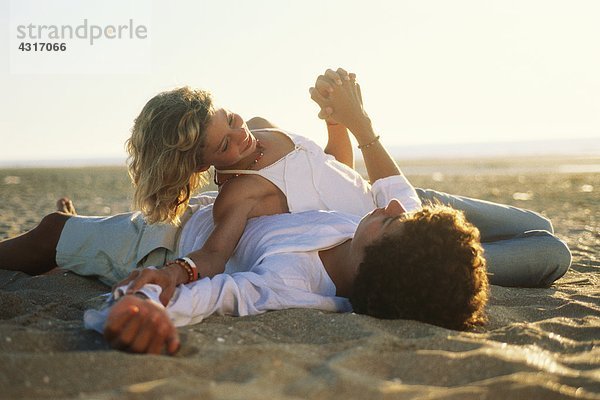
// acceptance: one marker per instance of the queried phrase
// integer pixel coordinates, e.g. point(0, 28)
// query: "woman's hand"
point(167, 278)
point(140, 326)
point(324, 88)
point(344, 104)
point(338, 140)
point(340, 99)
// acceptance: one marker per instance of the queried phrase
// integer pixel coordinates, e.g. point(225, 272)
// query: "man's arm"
point(344, 104)
point(378, 161)
point(143, 325)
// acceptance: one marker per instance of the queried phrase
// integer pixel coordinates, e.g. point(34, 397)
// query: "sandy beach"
point(538, 344)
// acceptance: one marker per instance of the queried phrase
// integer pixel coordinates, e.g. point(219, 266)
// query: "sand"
point(538, 344)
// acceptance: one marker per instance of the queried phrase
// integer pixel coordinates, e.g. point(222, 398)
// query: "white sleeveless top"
point(313, 180)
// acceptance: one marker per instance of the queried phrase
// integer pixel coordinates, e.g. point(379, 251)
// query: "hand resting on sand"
point(141, 326)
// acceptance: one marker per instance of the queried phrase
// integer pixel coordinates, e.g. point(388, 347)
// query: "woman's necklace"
point(261, 153)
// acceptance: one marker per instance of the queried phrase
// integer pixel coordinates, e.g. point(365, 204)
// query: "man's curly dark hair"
point(431, 270)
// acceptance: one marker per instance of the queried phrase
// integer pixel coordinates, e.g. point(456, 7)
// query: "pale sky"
point(431, 71)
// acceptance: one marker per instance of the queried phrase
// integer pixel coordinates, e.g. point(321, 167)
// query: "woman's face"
point(228, 141)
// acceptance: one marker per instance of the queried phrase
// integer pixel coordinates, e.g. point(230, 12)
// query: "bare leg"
point(34, 252)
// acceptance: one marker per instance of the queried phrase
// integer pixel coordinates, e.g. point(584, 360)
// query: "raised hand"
point(339, 96)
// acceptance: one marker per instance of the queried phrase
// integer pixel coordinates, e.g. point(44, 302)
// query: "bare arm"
point(339, 145)
point(338, 137)
point(231, 211)
point(378, 161)
point(345, 105)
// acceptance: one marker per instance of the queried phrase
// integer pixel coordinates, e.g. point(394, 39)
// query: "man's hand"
point(325, 86)
point(140, 326)
point(344, 104)
point(340, 99)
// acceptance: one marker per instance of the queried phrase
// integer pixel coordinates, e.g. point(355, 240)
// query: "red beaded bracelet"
point(190, 263)
point(189, 267)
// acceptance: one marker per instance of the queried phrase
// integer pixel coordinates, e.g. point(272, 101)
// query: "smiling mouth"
point(250, 141)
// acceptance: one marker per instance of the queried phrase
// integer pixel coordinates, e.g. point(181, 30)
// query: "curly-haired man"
point(399, 261)
point(431, 269)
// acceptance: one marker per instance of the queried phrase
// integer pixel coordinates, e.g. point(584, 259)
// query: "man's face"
point(378, 223)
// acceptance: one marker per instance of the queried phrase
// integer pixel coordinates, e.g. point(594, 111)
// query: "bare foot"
point(64, 204)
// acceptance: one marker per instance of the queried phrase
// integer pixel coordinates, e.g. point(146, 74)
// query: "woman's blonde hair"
point(166, 152)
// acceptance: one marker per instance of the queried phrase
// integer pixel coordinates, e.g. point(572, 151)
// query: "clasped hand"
point(339, 96)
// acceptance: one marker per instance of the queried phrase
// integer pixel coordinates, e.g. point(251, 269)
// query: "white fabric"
point(275, 265)
point(264, 238)
point(313, 180)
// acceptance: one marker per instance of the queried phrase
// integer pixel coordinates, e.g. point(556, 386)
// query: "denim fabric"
point(520, 247)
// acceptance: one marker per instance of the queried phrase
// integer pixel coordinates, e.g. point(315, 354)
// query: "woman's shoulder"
point(256, 123)
point(238, 188)
point(281, 135)
point(277, 141)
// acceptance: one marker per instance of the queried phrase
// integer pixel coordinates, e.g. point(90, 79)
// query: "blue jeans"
point(520, 246)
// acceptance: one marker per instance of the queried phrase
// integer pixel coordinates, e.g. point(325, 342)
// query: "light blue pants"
point(520, 247)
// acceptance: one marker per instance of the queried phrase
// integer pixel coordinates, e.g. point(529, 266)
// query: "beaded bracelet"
point(188, 270)
point(366, 146)
point(191, 271)
point(192, 265)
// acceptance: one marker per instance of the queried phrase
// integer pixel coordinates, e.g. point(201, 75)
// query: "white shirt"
point(275, 265)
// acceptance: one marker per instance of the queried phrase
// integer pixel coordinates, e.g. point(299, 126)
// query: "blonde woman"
point(179, 135)
point(425, 265)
